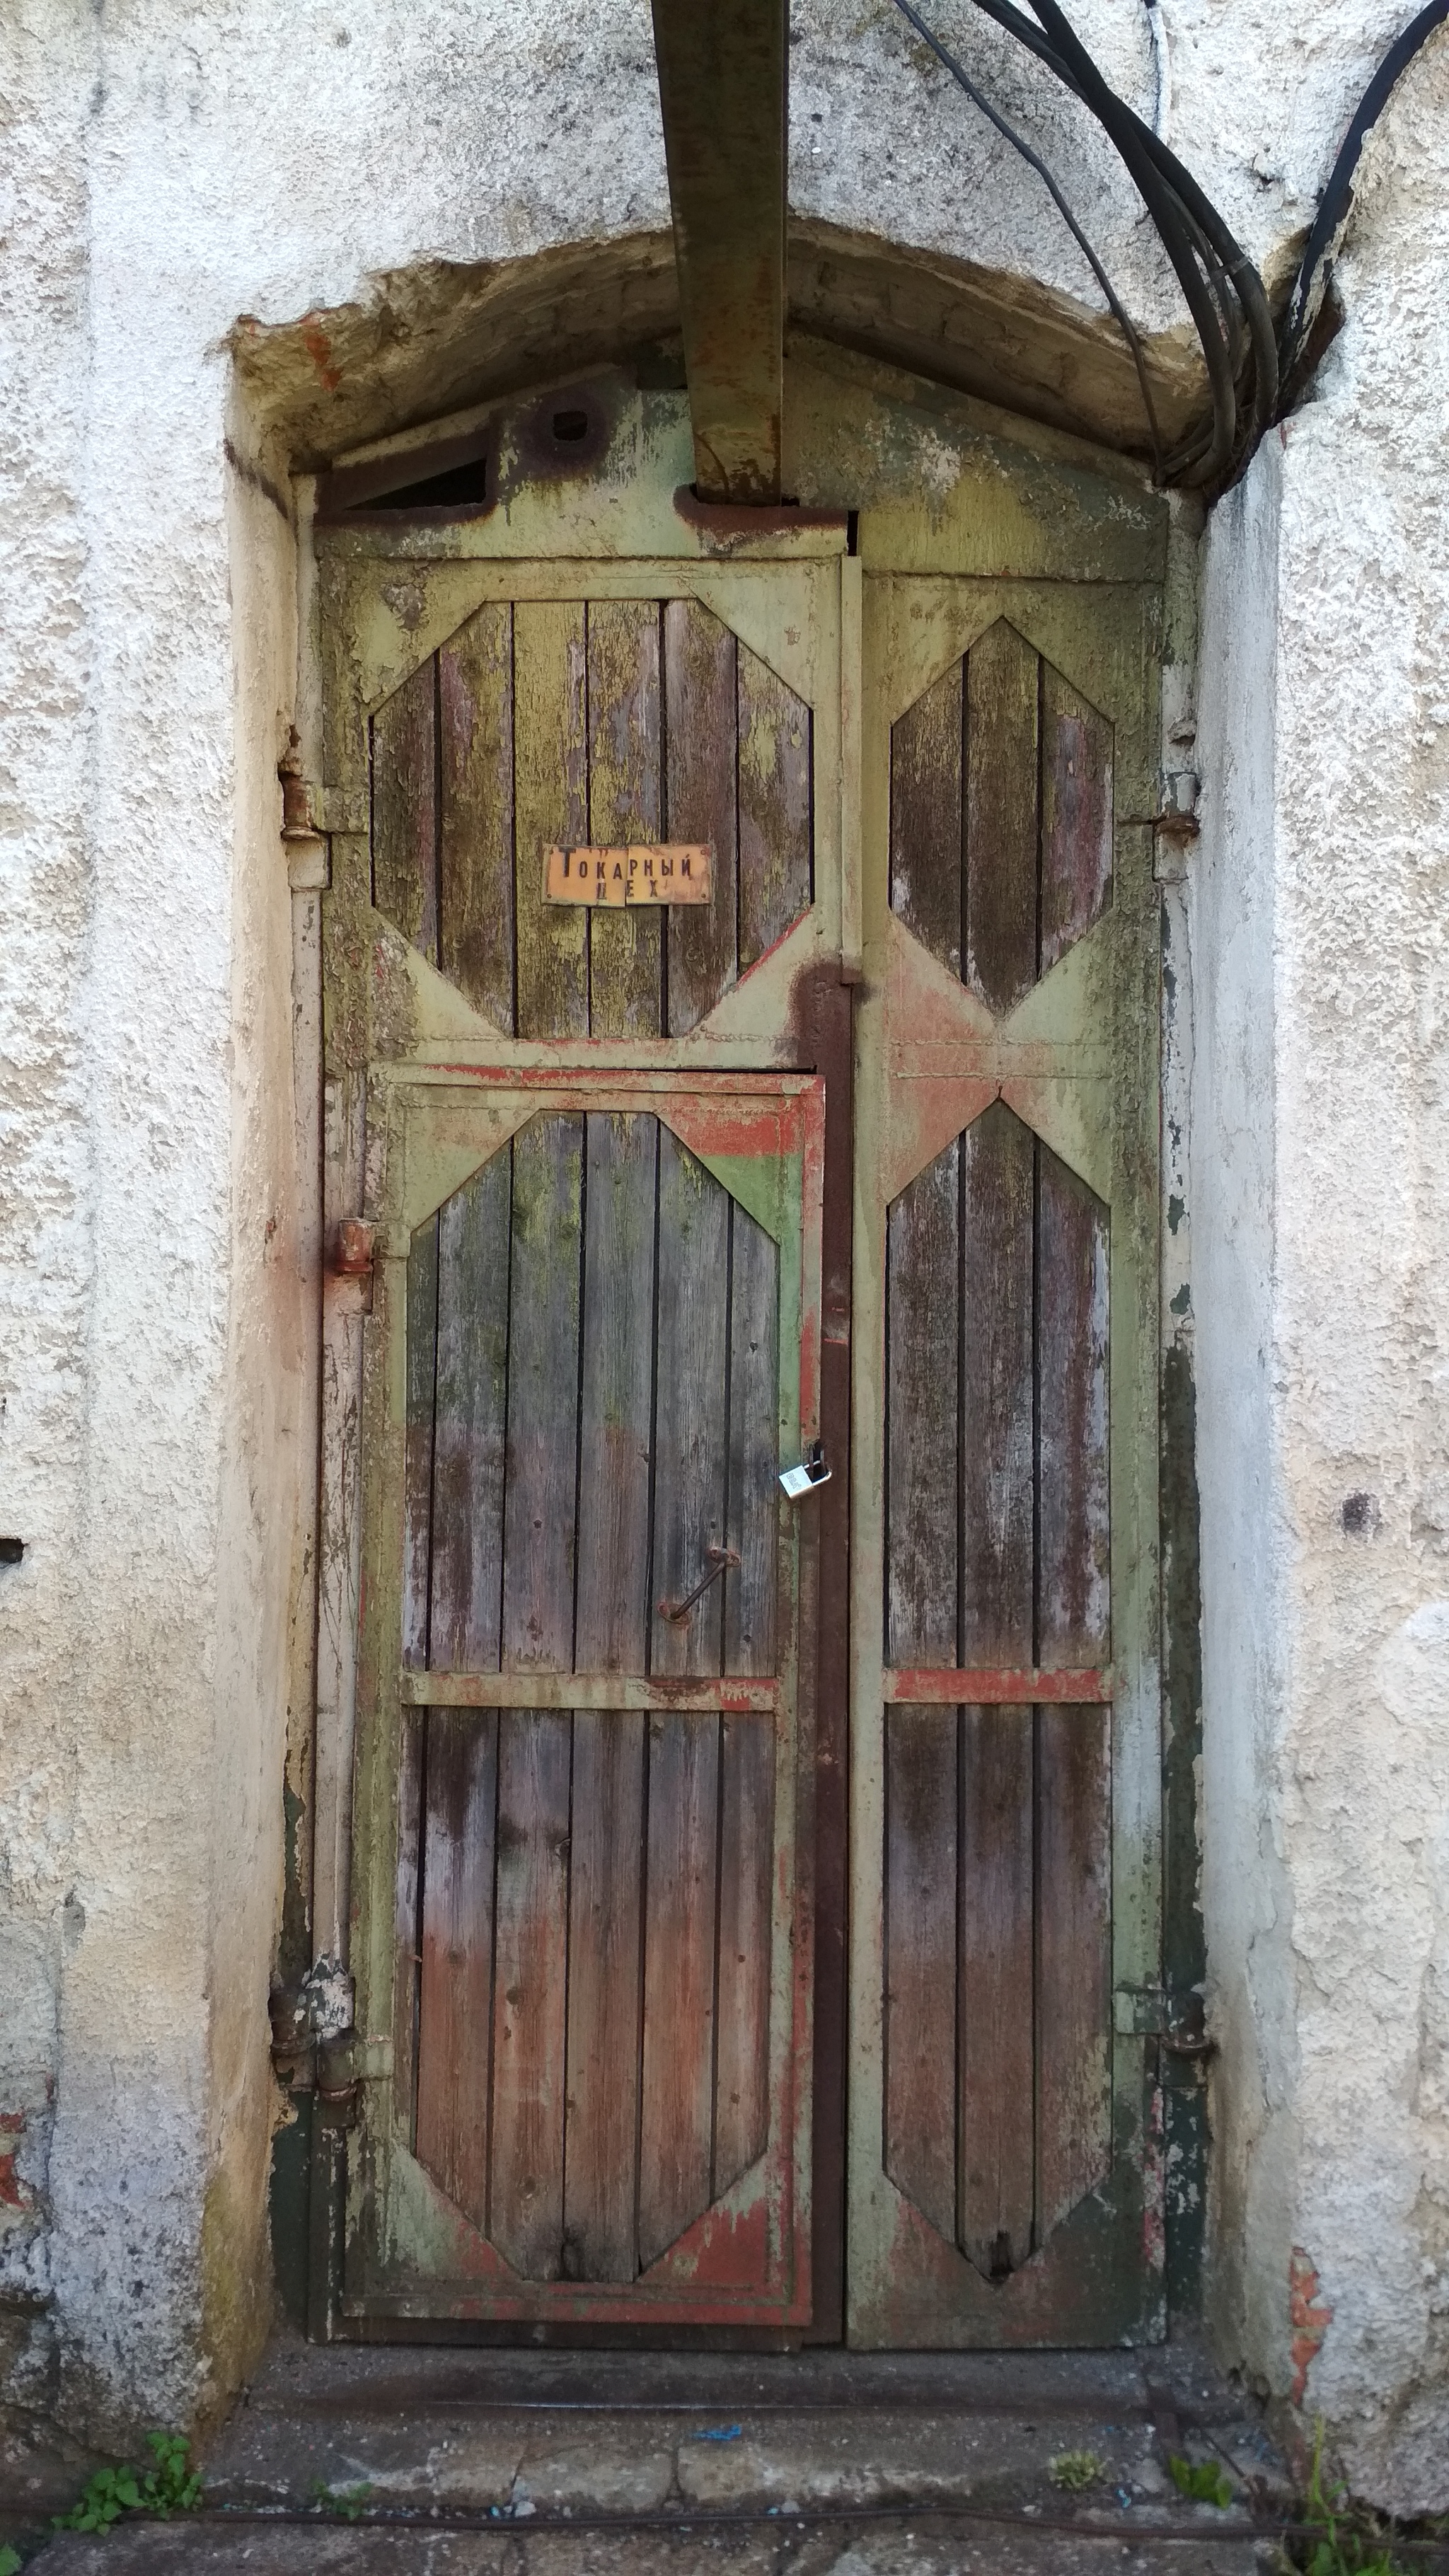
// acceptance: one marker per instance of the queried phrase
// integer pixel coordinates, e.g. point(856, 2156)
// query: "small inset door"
point(584, 1754)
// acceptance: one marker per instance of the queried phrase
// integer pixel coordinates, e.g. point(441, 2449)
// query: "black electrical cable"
point(1337, 197)
point(1222, 288)
point(1167, 206)
point(1035, 162)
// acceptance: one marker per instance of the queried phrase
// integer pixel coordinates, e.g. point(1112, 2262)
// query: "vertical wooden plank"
point(774, 807)
point(927, 849)
point(405, 810)
point(700, 737)
point(550, 782)
point(422, 1361)
point(753, 1517)
point(1074, 1958)
point(614, 1605)
point(625, 948)
point(996, 2115)
point(543, 1396)
point(920, 1959)
point(997, 1428)
point(690, 1466)
point(746, 1876)
point(1073, 1744)
point(676, 2144)
point(1001, 816)
point(1076, 816)
point(922, 1359)
point(530, 1981)
point(996, 2126)
point(456, 1980)
point(470, 1425)
point(747, 1747)
point(412, 1738)
point(601, 2155)
point(526, 2183)
point(922, 1362)
point(475, 834)
point(690, 1428)
point(611, 1635)
point(1073, 1508)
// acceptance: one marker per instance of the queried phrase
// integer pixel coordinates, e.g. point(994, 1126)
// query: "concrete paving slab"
point(466, 2462)
point(919, 2547)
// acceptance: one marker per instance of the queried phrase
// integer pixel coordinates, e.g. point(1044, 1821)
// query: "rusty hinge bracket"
point(1176, 2021)
point(308, 870)
point(315, 2045)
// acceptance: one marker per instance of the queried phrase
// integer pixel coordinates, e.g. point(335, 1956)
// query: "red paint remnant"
point(990, 1686)
point(13, 2194)
point(319, 350)
point(1309, 2322)
point(726, 2249)
point(355, 1247)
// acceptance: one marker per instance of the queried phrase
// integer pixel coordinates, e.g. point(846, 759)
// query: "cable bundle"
point(1222, 288)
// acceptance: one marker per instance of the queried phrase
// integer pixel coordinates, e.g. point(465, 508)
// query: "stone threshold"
point(466, 2462)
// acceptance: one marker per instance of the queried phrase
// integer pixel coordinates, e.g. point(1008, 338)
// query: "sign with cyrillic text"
point(644, 872)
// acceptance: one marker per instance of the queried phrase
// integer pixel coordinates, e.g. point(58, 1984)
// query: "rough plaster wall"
point(45, 1158)
point(169, 168)
point(1321, 945)
point(263, 1521)
point(1245, 1543)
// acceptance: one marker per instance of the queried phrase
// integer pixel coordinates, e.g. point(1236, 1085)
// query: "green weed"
point(1075, 2470)
point(1202, 2482)
point(171, 2486)
point(349, 2502)
point(1341, 2546)
point(9, 2560)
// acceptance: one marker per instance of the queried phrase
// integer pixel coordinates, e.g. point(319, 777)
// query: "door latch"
point(797, 1482)
point(720, 1561)
point(1176, 2021)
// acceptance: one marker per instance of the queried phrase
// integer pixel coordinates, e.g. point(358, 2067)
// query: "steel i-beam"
point(723, 88)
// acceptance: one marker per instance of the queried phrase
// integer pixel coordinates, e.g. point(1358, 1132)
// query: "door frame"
point(1035, 503)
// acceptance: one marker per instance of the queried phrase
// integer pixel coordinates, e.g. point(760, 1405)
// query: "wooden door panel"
point(602, 1361)
point(602, 721)
point(996, 1879)
point(1002, 2166)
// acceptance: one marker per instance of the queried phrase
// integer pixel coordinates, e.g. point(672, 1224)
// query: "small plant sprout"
point(1341, 2546)
point(1202, 2482)
point(9, 2560)
point(348, 2503)
point(172, 2486)
point(1075, 2470)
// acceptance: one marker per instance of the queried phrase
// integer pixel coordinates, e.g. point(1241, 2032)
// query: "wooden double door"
point(597, 1813)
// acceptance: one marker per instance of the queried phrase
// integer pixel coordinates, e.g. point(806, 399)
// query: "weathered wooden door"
point(599, 1992)
point(594, 1344)
point(1006, 1792)
point(582, 1856)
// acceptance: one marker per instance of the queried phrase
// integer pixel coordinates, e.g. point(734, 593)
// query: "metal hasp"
point(723, 89)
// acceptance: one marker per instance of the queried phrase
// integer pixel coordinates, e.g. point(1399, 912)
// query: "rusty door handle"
point(720, 1561)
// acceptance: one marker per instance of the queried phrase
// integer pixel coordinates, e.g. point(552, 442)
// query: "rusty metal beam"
point(723, 88)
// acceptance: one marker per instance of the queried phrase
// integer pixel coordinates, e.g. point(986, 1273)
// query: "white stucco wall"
point(1321, 1191)
point(169, 168)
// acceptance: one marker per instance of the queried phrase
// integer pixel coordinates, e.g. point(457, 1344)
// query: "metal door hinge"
point(315, 2046)
point(1177, 2022)
point(302, 839)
